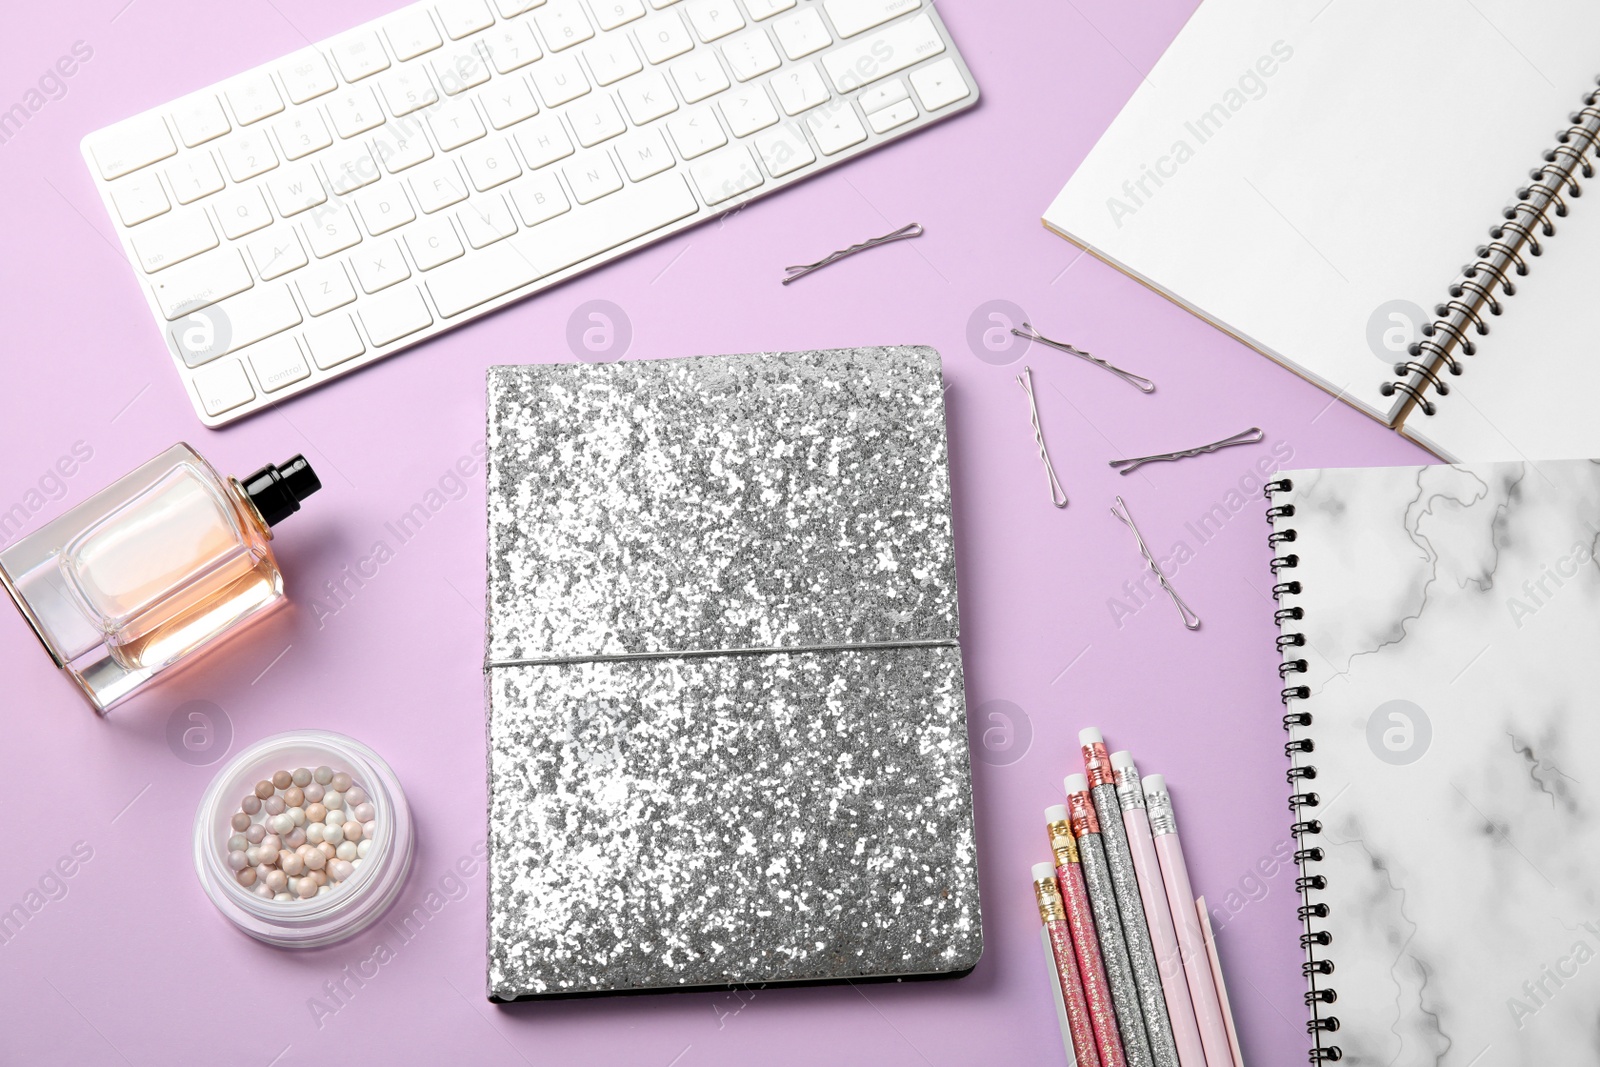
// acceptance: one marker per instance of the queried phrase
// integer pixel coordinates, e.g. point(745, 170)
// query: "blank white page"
point(1318, 160)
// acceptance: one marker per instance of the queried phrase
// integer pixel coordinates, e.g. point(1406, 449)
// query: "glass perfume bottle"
point(166, 561)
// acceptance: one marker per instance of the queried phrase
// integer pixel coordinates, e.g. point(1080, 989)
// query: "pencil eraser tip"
point(1041, 871)
point(1090, 736)
point(1055, 813)
point(1122, 761)
point(1075, 783)
point(1154, 783)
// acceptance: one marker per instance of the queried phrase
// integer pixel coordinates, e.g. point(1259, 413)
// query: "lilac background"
point(133, 965)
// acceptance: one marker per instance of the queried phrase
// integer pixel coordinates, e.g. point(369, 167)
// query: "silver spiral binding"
point(1473, 293)
point(1302, 799)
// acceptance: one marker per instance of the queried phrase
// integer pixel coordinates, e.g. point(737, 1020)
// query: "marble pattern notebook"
point(1440, 626)
point(727, 730)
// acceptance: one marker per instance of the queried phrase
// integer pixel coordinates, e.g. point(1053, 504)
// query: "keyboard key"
point(560, 243)
point(276, 252)
point(543, 141)
point(455, 123)
point(696, 132)
point(398, 148)
point(332, 230)
point(867, 59)
point(333, 341)
point(306, 76)
point(394, 315)
point(562, 23)
point(613, 13)
point(665, 38)
point(611, 59)
point(485, 220)
point(302, 133)
point(881, 96)
point(851, 17)
point(714, 18)
point(437, 185)
point(200, 119)
point(802, 33)
point(747, 110)
point(139, 197)
point(513, 8)
point(559, 79)
point(836, 128)
point(406, 90)
point(512, 47)
point(247, 154)
point(355, 111)
point(800, 87)
point(765, 9)
point(127, 146)
point(591, 176)
point(198, 282)
point(253, 97)
point(490, 163)
point(887, 118)
point(459, 69)
point(463, 17)
point(594, 120)
point(647, 97)
point(349, 166)
point(751, 55)
point(223, 387)
point(378, 265)
point(725, 174)
point(296, 188)
point(249, 317)
point(784, 150)
point(359, 55)
point(383, 208)
point(432, 242)
point(277, 363)
point(539, 198)
point(643, 153)
point(508, 102)
point(699, 76)
point(242, 211)
point(411, 33)
point(939, 84)
point(324, 286)
point(173, 239)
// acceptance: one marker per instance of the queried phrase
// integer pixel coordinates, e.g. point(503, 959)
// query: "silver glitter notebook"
point(727, 729)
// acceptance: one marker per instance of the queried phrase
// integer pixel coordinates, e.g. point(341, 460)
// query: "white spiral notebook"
point(1439, 628)
point(1312, 177)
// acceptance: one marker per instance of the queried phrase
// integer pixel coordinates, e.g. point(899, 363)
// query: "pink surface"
point(126, 961)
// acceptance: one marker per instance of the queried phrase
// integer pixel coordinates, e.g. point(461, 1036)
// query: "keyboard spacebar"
point(560, 243)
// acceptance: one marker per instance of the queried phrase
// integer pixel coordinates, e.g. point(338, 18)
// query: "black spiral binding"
point(1473, 292)
point(1302, 800)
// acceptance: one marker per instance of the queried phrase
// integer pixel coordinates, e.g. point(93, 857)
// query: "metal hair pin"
point(1058, 495)
point(1144, 385)
point(1190, 619)
point(1252, 436)
point(904, 233)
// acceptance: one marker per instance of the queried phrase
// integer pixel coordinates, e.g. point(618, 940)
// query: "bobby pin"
point(1252, 436)
point(1190, 619)
point(904, 233)
point(1144, 385)
point(1058, 495)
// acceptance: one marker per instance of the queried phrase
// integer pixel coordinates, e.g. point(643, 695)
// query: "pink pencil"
point(1191, 941)
point(1070, 1001)
point(1080, 920)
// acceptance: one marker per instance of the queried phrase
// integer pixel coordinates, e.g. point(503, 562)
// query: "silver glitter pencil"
point(1130, 906)
point(1108, 924)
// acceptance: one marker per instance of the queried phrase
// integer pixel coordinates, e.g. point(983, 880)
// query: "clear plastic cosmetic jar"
point(324, 918)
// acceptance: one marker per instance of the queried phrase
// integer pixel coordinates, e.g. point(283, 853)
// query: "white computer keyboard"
point(305, 218)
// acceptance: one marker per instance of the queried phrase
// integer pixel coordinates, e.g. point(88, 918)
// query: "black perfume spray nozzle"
point(276, 490)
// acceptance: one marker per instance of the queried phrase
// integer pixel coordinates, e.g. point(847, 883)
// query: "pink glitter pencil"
point(1070, 1002)
point(1080, 921)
